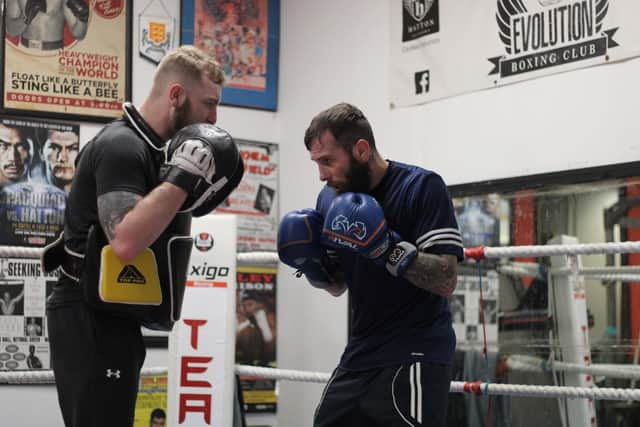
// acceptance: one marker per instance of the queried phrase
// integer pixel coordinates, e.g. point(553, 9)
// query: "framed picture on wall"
point(243, 36)
point(72, 61)
point(37, 166)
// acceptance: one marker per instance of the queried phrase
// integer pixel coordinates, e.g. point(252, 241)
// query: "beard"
point(358, 179)
point(182, 117)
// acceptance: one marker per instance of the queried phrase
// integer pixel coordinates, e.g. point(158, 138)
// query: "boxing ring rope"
point(471, 387)
point(535, 364)
point(485, 252)
point(614, 274)
point(478, 388)
point(477, 253)
point(252, 258)
point(19, 252)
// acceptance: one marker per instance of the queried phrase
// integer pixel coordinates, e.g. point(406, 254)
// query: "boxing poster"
point(442, 48)
point(24, 343)
point(67, 57)
point(255, 200)
point(243, 36)
point(37, 165)
point(151, 401)
point(479, 219)
point(467, 308)
point(256, 335)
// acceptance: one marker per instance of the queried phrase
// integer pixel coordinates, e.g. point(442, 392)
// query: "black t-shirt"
point(117, 159)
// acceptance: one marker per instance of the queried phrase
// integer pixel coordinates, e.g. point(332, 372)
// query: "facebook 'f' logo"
point(421, 79)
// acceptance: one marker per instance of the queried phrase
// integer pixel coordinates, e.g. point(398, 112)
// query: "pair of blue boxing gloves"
point(354, 222)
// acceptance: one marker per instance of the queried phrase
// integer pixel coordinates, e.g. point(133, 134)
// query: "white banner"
point(441, 49)
point(202, 343)
point(156, 37)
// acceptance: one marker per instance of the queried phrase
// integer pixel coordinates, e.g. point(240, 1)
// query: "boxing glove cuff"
point(400, 257)
point(185, 180)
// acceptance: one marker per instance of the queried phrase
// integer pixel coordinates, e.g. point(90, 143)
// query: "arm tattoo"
point(112, 207)
point(434, 273)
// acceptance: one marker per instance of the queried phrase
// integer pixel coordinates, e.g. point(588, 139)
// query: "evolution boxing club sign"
point(549, 33)
point(441, 49)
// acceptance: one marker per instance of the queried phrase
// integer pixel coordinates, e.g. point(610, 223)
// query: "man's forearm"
point(434, 273)
point(130, 229)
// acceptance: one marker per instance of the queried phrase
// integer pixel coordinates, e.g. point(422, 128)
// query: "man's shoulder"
point(116, 131)
point(415, 177)
point(116, 136)
point(409, 170)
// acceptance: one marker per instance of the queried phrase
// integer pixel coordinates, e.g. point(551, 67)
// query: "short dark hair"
point(346, 123)
point(158, 413)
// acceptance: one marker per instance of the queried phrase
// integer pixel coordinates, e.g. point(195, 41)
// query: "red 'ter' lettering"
point(186, 405)
point(195, 324)
point(187, 367)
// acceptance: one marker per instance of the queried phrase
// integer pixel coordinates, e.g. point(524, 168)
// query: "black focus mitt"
point(188, 156)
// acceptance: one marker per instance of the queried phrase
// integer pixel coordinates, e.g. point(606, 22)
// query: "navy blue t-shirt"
point(393, 321)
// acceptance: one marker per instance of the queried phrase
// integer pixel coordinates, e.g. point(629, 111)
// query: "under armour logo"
point(111, 373)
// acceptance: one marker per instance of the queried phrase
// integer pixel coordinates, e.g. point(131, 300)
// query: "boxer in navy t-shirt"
point(386, 231)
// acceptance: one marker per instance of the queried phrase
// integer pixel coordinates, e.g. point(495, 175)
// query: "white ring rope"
point(45, 376)
point(479, 388)
point(468, 387)
point(534, 267)
point(536, 364)
point(627, 273)
point(282, 374)
point(254, 258)
point(243, 258)
point(621, 269)
point(553, 250)
point(19, 252)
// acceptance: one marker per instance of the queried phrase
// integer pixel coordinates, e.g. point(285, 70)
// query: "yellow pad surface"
point(134, 282)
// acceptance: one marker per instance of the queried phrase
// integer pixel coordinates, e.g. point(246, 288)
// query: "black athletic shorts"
point(405, 395)
point(96, 359)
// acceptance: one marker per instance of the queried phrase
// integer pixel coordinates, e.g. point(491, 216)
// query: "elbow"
point(449, 286)
point(125, 249)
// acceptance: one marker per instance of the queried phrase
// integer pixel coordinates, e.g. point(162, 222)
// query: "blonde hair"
point(190, 64)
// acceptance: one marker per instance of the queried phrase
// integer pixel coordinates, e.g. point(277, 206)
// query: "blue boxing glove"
point(299, 245)
point(356, 222)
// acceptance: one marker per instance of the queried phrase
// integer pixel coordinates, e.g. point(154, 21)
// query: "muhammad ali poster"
point(37, 165)
point(445, 48)
point(67, 57)
point(255, 200)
